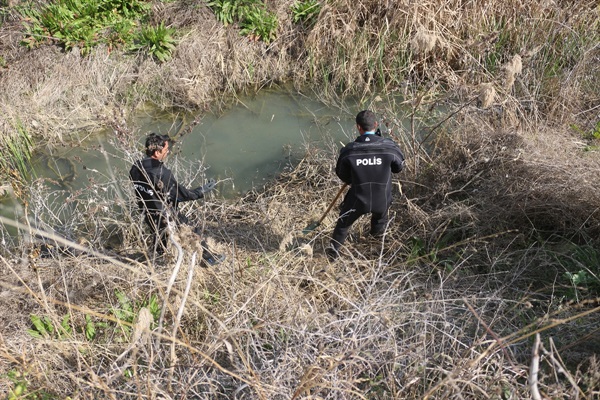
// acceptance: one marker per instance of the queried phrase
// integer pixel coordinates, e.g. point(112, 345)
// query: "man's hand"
point(202, 190)
point(210, 185)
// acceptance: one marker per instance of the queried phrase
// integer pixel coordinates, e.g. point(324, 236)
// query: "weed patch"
point(83, 24)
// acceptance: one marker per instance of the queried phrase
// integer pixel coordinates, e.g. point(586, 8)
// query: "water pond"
point(242, 147)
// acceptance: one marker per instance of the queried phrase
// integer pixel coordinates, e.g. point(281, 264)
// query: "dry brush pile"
point(446, 305)
point(493, 237)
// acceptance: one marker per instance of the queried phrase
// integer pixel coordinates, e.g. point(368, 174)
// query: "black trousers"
point(160, 234)
point(157, 223)
point(348, 216)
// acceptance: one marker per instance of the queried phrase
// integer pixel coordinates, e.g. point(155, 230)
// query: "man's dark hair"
point(155, 142)
point(366, 120)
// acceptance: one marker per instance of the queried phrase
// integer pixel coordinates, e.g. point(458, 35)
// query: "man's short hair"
point(366, 120)
point(155, 142)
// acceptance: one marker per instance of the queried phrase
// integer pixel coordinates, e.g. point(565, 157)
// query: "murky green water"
point(251, 142)
point(243, 147)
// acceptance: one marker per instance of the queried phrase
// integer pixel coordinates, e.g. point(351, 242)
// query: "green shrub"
point(231, 11)
point(306, 12)
point(259, 24)
point(254, 19)
point(157, 41)
point(83, 23)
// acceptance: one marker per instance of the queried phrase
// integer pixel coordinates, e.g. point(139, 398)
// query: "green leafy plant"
point(44, 327)
point(231, 11)
point(442, 254)
point(591, 135)
point(83, 23)
point(417, 250)
point(157, 41)
point(124, 311)
point(583, 271)
point(153, 306)
point(259, 24)
point(581, 280)
point(254, 19)
point(127, 310)
point(89, 328)
point(306, 12)
point(21, 388)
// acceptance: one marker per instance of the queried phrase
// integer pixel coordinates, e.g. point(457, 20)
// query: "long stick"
point(337, 196)
point(314, 225)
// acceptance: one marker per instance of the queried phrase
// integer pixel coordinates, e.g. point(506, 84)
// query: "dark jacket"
point(156, 188)
point(367, 165)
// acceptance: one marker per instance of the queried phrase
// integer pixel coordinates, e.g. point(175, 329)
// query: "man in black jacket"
point(366, 165)
point(158, 194)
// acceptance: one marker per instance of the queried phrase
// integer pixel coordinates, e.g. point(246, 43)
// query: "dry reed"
point(447, 306)
point(280, 322)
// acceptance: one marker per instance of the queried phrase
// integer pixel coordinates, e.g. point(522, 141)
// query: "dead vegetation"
point(540, 57)
point(448, 304)
point(497, 206)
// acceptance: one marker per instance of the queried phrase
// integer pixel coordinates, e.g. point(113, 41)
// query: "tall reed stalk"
point(15, 161)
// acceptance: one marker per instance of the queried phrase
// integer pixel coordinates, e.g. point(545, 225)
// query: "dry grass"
point(277, 320)
point(540, 57)
point(497, 193)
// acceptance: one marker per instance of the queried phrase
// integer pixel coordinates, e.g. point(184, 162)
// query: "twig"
point(558, 364)
point(169, 285)
point(180, 314)
point(534, 369)
point(477, 175)
point(491, 332)
point(433, 129)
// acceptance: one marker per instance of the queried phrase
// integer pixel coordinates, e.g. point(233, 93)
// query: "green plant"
point(595, 133)
point(254, 19)
point(21, 388)
point(582, 265)
point(83, 23)
point(89, 328)
point(123, 312)
point(153, 306)
point(127, 310)
point(230, 11)
point(44, 328)
point(259, 24)
point(306, 12)
point(592, 134)
point(16, 157)
point(499, 48)
point(212, 298)
point(157, 41)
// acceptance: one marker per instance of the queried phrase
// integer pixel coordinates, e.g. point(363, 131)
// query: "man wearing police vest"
point(366, 165)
